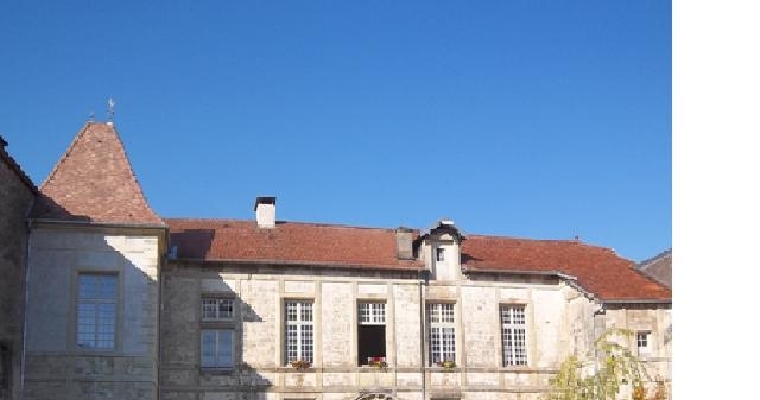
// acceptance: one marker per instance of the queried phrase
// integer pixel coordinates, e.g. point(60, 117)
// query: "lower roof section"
point(596, 270)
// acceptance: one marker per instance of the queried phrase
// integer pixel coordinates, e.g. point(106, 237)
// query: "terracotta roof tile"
point(288, 242)
point(94, 181)
point(598, 270)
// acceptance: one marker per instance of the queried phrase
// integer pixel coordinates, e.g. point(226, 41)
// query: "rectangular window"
point(439, 253)
point(299, 331)
point(96, 311)
point(217, 308)
point(514, 351)
point(442, 333)
point(216, 348)
point(642, 342)
point(371, 333)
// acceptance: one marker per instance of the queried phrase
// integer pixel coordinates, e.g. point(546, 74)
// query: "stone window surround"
point(218, 296)
point(513, 326)
point(312, 323)
point(229, 367)
point(456, 325)
point(74, 302)
point(529, 332)
point(217, 324)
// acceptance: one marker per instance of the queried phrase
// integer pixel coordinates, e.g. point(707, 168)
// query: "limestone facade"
point(559, 321)
point(60, 364)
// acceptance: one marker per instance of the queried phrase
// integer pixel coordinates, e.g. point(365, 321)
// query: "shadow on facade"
point(186, 283)
point(92, 328)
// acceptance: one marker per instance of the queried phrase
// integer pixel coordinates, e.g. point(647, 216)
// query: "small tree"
point(614, 366)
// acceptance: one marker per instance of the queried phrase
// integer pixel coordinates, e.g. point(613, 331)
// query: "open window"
point(371, 332)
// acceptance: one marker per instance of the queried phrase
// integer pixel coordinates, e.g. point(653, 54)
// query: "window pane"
point(209, 308)
point(307, 343)
point(225, 308)
point(87, 286)
point(224, 348)
point(107, 286)
point(208, 349)
point(96, 311)
point(514, 348)
point(291, 311)
point(306, 312)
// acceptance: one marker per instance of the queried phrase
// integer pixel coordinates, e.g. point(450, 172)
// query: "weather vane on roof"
point(111, 106)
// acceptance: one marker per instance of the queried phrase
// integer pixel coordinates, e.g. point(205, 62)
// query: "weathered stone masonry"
point(16, 196)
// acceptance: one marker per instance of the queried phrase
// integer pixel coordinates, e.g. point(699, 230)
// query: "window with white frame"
point(371, 333)
point(442, 332)
point(96, 311)
point(216, 348)
point(643, 342)
point(299, 331)
point(215, 308)
point(514, 349)
point(372, 313)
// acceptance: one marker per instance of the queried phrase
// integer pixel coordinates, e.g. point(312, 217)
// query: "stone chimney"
point(404, 250)
point(264, 210)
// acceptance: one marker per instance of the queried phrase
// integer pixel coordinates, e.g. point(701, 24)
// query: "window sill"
point(516, 368)
point(299, 370)
point(223, 320)
point(95, 351)
point(217, 370)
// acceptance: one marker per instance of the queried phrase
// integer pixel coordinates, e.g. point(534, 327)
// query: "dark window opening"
point(371, 343)
point(439, 254)
point(5, 366)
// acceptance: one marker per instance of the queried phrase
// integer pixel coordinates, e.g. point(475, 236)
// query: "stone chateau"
point(100, 298)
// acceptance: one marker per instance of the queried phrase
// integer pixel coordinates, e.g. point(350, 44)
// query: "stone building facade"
point(16, 195)
point(124, 304)
point(95, 251)
point(506, 312)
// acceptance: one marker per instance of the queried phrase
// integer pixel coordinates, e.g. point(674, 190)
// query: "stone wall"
point(55, 366)
point(560, 320)
point(15, 200)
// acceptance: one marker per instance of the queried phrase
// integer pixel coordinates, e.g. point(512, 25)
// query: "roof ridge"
point(241, 220)
point(65, 154)
point(131, 170)
point(662, 254)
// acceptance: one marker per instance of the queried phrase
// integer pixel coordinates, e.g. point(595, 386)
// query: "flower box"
point(299, 364)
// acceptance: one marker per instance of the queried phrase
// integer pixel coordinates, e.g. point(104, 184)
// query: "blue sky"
point(540, 119)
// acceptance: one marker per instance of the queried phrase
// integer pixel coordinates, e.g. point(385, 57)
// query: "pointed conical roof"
point(94, 181)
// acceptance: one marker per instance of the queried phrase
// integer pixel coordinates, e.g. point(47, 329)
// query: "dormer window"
point(439, 254)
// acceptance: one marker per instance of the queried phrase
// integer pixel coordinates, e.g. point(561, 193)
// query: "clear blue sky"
point(539, 119)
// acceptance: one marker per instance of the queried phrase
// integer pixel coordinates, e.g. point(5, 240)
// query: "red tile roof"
point(94, 181)
point(598, 270)
point(288, 242)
